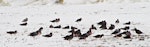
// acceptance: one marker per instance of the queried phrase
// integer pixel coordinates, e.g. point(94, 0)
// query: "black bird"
point(128, 23)
point(56, 20)
point(12, 32)
point(24, 24)
point(118, 35)
point(117, 21)
point(103, 27)
point(116, 31)
point(93, 27)
point(128, 35)
point(68, 37)
point(85, 35)
point(48, 35)
point(73, 27)
point(39, 31)
point(111, 27)
point(77, 33)
point(51, 26)
point(99, 36)
point(137, 31)
point(33, 34)
point(103, 24)
point(78, 20)
point(99, 23)
point(25, 20)
point(59, 26)
point(36, 33)
point(125, 28)
point(66, 27)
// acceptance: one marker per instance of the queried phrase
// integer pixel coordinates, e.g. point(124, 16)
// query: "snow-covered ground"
point(40, 16)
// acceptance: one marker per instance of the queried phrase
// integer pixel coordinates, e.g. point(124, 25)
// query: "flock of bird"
point(75, 32)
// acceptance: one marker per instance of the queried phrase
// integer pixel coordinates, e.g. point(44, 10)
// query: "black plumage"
point(68, 37)
point(138, 31)
point(73, 27)
point(24, 24)
point(66, 27)
point(117, 21)
point(77, 33)
point(127, 23)
point(38, 32)
point(12, 32)
point(116, 31)
point(93, 27)
point(56, 20)
point(103, 25)
point(78, 20)
point(111, 27)
point(118, 35)
point(127, 37)
point(33, 34)
point(48, 35)
point(25, 20)
point(51, 26)
point(59, 26)
point(85, 35)
point(99, 36)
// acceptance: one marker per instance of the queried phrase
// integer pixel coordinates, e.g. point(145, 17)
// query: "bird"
point(128, 35)
point(138, 31)
point(85, 35)
point(51, 26)
point(127, 23)
point(72, 27)
point(25, 20)
point(56, 20)
point(78, 20)
point(77, 33)
point(33, 34)
point(103, 25)
point(38, 32)
point(116, 31)
point(111, 27)
point(117, 21)
point(68, 37)
point(99, 23)
point(125, 28)
point(12, 32)
point(66, 27)
point(24, 24)
point(59, 26)
point(93, 27)
point(99, 36)
point(48, 35)
point(118, 35)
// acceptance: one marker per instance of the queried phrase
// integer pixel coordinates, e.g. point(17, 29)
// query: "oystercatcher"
point(78, 20)
point(12, 32)
point(48, 35)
